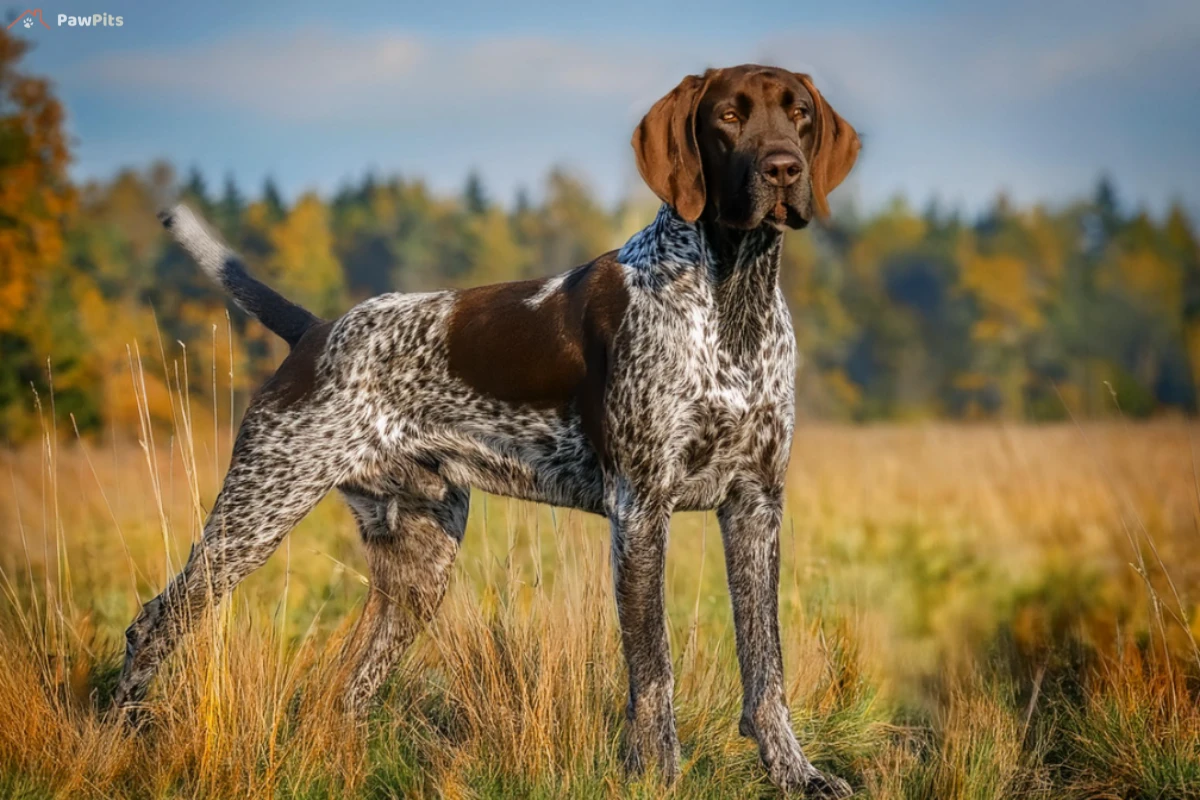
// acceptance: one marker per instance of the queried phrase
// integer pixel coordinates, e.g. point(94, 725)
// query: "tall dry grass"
point(968, 612)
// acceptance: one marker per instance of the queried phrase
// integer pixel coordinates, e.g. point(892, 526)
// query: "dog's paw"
point(133, 718)
point(652, 743)
point(821, 784)
point(786, 765)
point(804, 780)
point(653, 751)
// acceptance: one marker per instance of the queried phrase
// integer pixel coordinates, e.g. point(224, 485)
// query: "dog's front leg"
point(640, 520)
point(750, 520)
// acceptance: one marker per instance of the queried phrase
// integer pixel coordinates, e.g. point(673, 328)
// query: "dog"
point(657, 378)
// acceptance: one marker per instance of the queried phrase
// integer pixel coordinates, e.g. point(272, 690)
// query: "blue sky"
point(957, 100)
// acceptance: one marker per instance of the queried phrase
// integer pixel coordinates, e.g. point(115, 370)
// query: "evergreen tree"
point(231, 208)
point(273, 200)
point(521, 203)
point(195, 191)
point(474, 195)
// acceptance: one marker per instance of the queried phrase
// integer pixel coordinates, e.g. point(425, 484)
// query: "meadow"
point(968, 611)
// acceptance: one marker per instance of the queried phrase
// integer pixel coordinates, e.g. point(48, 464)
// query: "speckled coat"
point(656, 378)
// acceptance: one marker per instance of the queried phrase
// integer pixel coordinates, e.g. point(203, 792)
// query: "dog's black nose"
point(780, 169)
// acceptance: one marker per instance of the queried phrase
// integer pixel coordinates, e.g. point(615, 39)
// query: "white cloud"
point(307, 74)
point(292, 76)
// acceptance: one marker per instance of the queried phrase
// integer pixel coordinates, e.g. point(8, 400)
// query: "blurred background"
point(1017, 241)
point(990, 582)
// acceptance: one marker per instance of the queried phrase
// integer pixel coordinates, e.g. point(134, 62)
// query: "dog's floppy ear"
point(668, 156)
point(835, 148)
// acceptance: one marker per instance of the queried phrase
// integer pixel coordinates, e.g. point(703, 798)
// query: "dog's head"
point(744, 147)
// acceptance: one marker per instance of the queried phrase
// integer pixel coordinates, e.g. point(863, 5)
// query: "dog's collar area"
point(669, 241)
point(670, 246)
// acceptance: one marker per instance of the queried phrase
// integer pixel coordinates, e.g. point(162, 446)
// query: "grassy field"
point(968, 612)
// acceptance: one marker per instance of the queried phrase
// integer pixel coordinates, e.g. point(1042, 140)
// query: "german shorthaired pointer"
point(658, 377)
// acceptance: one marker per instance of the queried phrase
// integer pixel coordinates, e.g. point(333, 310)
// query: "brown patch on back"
point(296, 377)
point(546, 356)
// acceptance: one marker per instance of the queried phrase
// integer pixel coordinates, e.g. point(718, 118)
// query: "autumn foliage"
point(1021, 314)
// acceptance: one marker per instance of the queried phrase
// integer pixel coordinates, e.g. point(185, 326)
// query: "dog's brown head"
point(745, 146)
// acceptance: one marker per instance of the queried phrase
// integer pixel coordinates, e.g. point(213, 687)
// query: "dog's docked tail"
point(280, 315)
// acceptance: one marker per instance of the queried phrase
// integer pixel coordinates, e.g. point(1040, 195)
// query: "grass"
point(968, 612)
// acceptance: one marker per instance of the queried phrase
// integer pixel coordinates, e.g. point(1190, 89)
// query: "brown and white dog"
point(656, 378)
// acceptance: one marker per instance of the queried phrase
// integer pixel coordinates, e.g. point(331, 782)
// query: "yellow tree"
point(1010, 269)
point(35, 195)
point(35, 199)
point(493, 252)
point(303, 258)
point(576, 227)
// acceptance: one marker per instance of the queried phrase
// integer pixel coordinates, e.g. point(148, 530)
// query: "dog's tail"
point(280, 315)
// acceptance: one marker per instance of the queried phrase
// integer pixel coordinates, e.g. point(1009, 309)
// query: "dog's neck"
point(740, 267)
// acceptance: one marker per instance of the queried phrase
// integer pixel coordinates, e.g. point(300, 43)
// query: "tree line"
point(1033, 313)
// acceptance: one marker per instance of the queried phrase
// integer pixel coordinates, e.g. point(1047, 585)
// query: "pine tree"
point(231, 207)
point(1105, 200)
point(522, 203)
point(195, 191)
point(474, 195)
point(276, 210)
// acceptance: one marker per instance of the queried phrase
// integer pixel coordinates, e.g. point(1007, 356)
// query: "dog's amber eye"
point(799, 113)
point(729, 116)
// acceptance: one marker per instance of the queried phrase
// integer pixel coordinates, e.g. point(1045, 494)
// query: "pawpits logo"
point(27, 19)
point(93, 21)
point(33, 16)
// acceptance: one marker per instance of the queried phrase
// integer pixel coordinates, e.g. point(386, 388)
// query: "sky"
point(957, 101)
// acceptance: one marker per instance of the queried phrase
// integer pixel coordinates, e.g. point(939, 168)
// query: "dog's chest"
point(737, 400)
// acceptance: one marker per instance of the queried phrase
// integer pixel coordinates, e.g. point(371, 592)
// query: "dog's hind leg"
point(411, 543)
point(281, 468)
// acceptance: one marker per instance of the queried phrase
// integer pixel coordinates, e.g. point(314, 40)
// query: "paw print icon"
point(27, 19)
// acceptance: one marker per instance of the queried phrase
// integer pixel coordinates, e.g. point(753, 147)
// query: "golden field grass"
point(982, 611)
